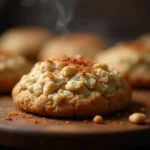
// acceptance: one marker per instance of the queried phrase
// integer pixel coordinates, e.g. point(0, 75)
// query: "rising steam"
point(65, 13)
point(61, 9)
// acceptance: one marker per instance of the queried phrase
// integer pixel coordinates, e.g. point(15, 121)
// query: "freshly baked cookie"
point(26, 41)
point(132, 59)
point(12, 67)
point(85, 44)
point(68, 86)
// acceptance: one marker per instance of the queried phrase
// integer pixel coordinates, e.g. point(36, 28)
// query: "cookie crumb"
point(100, 81)
point(85, 121)
point(98, 119)
point(68, 122)
point(116, 123)
point(57, 122)
point(121, 123)
point(137, 118)
point(83, 73)
point(9, 118)
point(44, 119)
point(51, 76)
point(36, 121)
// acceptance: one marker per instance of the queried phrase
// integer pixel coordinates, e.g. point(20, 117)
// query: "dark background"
point(114, 19)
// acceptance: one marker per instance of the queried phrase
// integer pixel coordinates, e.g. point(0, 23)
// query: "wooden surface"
point(37, 132)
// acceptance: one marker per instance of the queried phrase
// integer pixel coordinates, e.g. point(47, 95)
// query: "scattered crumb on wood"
point(98, 119)
point(68, 122)
point(85, 121)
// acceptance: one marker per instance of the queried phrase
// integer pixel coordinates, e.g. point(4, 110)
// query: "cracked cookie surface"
point(70, 86)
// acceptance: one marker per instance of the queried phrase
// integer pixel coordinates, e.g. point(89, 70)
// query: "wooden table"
point(26, 131)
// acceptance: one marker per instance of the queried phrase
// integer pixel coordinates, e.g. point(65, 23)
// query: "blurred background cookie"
point(145, 39)
point(26, 41)
point(12, 67)
point(132, 59)
point(85, 44)
point(70, 86)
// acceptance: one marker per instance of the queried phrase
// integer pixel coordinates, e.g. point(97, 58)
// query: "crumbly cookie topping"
point(67, 78)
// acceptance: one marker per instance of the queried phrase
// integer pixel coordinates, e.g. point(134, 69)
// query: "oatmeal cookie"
point(85, 44)
point(132, 59)
point(70, 86)
point(26, 41)
point(12, 67)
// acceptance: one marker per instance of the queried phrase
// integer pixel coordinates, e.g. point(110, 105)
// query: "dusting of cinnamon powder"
point(81, 63)
point(11, 115)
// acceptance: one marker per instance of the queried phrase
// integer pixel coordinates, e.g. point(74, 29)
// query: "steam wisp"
point(65, 13)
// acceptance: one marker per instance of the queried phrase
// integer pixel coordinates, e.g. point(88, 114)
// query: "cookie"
point(26, 41)
point(132, 59)
point(85, 44)
point(12, 67)
point(70, 86)
point(145, 39)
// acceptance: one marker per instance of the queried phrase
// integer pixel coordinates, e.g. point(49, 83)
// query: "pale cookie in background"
point(12, 67)
point(85, 44)
point(145, 39)
point(26, 41)
point(132, 59)
point(70, 86)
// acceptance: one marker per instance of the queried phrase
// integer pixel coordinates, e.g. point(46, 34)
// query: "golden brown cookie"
point(12, 67)
point(85, 44)
point(26, 41)
point(70, 86)
point(132, 59)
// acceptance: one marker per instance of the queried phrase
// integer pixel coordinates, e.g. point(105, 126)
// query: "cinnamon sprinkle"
point(51, 76)
point(9, 118)
point(11, 115)
point(100, 81)
point(83, 73)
